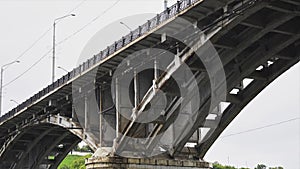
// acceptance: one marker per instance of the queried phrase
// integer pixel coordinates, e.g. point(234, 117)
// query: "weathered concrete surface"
point(146, 163)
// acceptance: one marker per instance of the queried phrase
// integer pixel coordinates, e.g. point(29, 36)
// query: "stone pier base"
point(147, 163)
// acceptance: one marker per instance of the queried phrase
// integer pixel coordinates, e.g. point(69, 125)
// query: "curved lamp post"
point(1, 81)
point(53, 50)
point(59, 67)
point(122, 23)
point(12, 100)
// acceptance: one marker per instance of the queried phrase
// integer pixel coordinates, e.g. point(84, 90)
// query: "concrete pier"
point(146, 163)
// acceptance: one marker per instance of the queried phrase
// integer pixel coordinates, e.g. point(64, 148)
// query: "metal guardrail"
point(133, 35)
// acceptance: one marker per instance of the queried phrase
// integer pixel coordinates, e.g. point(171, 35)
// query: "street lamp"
point(1, 81)
point(122, 23)
point(53, 50)
point(59, 67)
point(166, 4)
point(12, 100)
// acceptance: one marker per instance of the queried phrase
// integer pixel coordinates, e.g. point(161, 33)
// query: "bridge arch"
point(246, 96)
point(268, 125)
point(41, 144)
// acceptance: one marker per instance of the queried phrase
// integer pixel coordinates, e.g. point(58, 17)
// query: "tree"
point(261, 166)
point(86, 149)
point(65, 167)
point(78, 164)
point(77, 148)
point(216, 165)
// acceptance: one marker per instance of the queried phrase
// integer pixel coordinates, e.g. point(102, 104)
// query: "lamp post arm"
point(63, 17)
point(3, 66)
point(126, 26)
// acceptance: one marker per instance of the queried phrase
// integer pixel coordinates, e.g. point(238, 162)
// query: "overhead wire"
point(33, 44)
point(44, 34)
point(28, 69)
point(77, 6)
point(75, 33)
point(89, 23)
point(260, 128)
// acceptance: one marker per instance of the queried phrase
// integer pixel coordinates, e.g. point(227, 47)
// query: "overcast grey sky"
point(22, 22)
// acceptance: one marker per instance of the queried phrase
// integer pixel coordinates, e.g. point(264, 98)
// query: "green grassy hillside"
point(73, 162)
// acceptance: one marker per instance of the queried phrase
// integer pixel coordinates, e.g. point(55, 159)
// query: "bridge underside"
point(256, 41)
point(37, 146)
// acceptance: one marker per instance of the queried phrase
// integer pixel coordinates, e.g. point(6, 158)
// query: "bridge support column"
point(134, 163)
point(86, 114)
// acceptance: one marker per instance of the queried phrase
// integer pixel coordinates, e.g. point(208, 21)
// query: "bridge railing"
point(133, 35)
